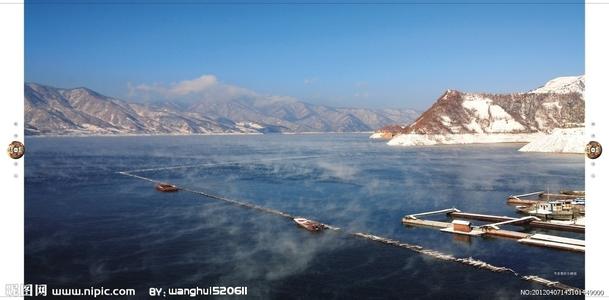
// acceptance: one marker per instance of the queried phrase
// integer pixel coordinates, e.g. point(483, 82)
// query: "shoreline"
point(561, 140)
point(408, 140)
point(194, 134)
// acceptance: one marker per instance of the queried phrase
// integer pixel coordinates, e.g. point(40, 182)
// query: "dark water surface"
point(87, 226)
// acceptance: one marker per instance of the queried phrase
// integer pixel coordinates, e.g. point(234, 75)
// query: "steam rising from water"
point(104, 228)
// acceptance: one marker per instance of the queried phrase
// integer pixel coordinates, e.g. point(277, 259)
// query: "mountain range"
point(80, 111)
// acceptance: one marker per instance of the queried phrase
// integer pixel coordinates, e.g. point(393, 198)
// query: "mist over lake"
point(86, 225)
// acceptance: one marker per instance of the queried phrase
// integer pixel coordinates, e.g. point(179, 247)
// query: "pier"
point(437, 212)
point(554, 242)
point(533, 224)
point(493, 229)
point(448, 227)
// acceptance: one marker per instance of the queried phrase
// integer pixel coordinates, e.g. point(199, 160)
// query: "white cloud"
point(195, 85)
point(202, 88)
point(182, 88)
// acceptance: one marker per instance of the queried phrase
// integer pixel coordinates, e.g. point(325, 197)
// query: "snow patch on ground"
point(446, 121)
point(478, 106)
point(561, 140)
point(250, 125)
point(552, 105)
point(483, 109)
point(474, 126)
point(377, 135)
point(456, 139)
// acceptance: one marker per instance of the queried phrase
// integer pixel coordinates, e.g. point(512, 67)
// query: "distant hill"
point(77, 111)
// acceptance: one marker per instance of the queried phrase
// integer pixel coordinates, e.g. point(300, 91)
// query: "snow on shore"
point(380, 135)
point(465, 138)
point(571, 140)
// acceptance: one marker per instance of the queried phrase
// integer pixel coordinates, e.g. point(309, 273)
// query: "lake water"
point(87, 226)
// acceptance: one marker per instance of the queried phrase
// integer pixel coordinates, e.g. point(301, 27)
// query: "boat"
point(309, 224)
point(579, 204)
point(577, 198)
point(166, 187)
point(552, 210)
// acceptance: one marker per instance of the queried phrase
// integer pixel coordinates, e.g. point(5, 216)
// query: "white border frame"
point(597, 96)
point(11, 111)
point(11, 128)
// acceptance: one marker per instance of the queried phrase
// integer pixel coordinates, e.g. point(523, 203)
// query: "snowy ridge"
point(562, 140)
point(563, 85)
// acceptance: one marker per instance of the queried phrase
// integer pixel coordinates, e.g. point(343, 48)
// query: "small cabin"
point(462, 226)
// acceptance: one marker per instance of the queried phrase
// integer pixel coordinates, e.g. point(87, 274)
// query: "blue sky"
point(369, 55)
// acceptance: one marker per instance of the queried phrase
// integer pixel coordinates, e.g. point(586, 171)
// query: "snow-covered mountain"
point(463, 118)
point(558, 104)
point(457, 112)
point(53, 111)
point(57, 111)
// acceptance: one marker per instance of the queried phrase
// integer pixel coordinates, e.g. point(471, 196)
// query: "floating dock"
point(458, 226)
point(554, 242)
point(448, 227)
point(534, 224)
